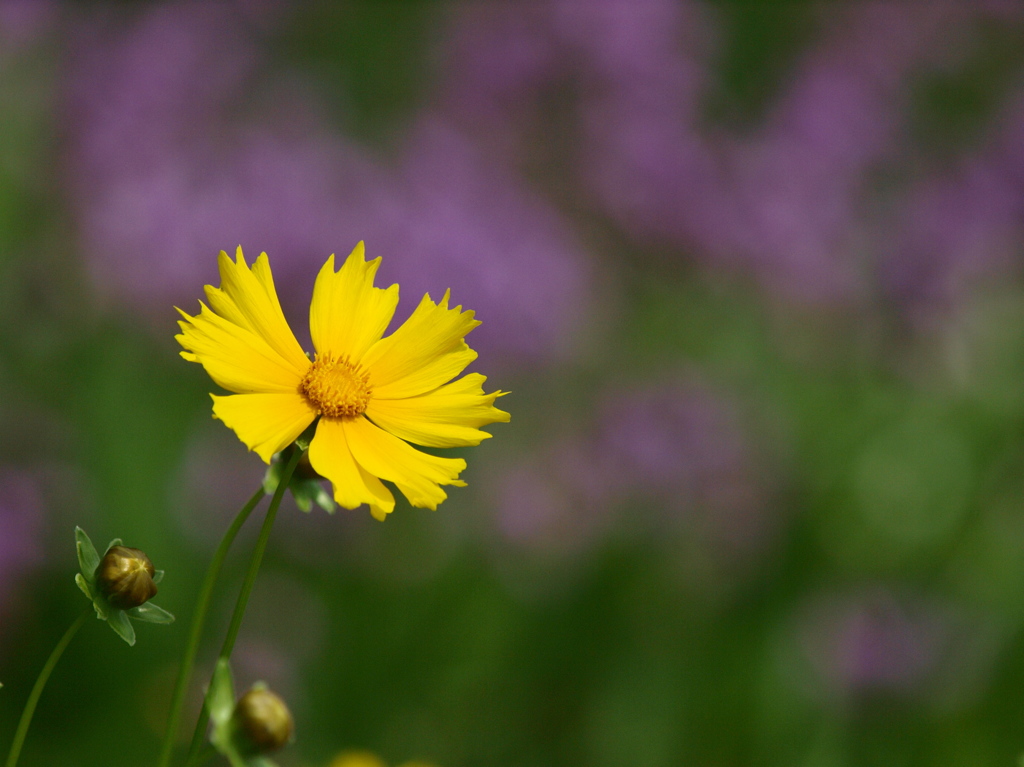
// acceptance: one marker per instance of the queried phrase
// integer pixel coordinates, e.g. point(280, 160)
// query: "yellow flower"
point(357, 759)
point(367, 759)
point(372, 395)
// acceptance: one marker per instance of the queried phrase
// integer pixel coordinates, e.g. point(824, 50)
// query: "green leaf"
point(118, 621)
point(158, 576)
point(88, 559)
point(112, 544)
point(150, 613)
point(220, 699)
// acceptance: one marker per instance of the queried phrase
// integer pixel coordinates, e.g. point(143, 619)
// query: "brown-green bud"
point(125, 577)
point(264, 720)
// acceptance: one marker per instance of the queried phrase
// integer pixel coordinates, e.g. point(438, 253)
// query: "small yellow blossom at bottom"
point(357, 759)
point(370, 395)
point(368, 759)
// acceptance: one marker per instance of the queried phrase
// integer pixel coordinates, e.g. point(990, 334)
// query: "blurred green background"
point(751, 271)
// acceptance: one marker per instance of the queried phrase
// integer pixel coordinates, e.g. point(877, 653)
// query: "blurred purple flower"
point(497, 60)
point(667, 436)
point(555, 501)
point(672, 447)
point(273, 650)
point(467, 223)
point(631, 70)
point(168, 166)
point(23, 22)
point(164, 171)
point(785, 201)
point(645, 70)
point(21, 519)
point(874, 643)
point(951, 228)
point(215, 479)
point(682, 448)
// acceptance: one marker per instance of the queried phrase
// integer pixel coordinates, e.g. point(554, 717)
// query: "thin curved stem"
point(202, 757)
point(250, 580)
point(37, 689)
point(198, 622)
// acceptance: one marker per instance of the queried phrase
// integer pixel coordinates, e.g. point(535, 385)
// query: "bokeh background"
point(752, 271)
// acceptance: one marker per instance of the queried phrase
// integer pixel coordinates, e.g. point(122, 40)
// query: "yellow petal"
point(417, 474)
point(425, 352)
point(330, 456)
point(266, 423)
point(249, 299)
point(449, 416)
point(347, 314)
point(235, 357)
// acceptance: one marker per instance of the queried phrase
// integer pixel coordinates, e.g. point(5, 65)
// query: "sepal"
point(88, 559)
point(118, 620)
point(80, 582)
point(307, 492)
point(220, 698)
point(150, 613)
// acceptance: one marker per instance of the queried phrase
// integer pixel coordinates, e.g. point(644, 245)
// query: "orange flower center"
point(336, 387)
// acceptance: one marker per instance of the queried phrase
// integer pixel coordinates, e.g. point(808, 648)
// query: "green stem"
point(202, 757)
point(37, 689)
point(196, 629)
point(250, 580)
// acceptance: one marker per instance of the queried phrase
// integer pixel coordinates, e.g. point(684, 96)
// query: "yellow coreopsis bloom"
point(373, 395)
point(367, 759)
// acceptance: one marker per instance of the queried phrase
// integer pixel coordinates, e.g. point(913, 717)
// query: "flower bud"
point(264, 720)
point(125, 577)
